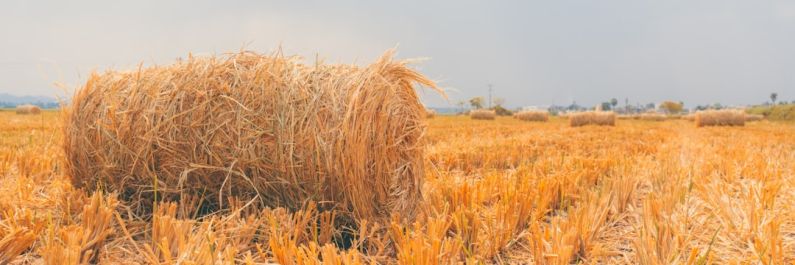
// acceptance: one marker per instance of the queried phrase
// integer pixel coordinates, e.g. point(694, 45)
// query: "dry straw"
point(720, 118)
point(28, 109)
point(482, 114)
point(532, 115)
point(254, 126)
point(604, 118)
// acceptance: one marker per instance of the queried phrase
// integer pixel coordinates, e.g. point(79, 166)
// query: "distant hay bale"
point(625, 117)
point(689, 117)
point(28, 109)
point(254, 126)
point(430, 113)
point(482, 114)
point(652, 117)
point(532, 115)
point(754, 117)
point(604, 118)
point(720, 118)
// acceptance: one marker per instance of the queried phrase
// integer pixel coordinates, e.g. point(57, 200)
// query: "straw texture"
point(254, 126)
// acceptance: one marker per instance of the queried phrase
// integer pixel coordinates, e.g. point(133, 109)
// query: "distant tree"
point(613, 102)
point(476, 102)
point(498, 101)
point(650, 106)
point(671, 107)
point(717, 106)
point(502, 111)
point(605, 106)
point(773, 97)
point(461, 104)
point(574, 106)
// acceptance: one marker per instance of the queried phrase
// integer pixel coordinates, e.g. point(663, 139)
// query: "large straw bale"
point(482, 114)
point(720, 118)
point(28, 109)
point(254, 126)
point(604, 118)
point(532, 115)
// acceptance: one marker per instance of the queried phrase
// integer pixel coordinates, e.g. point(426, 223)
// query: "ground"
point(501, 191)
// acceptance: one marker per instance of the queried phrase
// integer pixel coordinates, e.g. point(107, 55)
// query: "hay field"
point(503, 191)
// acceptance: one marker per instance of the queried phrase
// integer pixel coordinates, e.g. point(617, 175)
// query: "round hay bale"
point(28, 109)
point(482, 114)
point(652, 117)
point(754, 117)
point(602, 118)
point(720, 118)
point(254, 126)
point(532, 115)
point(430, 113)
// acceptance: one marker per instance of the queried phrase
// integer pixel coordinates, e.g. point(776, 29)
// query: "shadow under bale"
point(263, 128)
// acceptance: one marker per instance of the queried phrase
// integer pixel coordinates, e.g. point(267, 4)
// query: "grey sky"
point(534, 52)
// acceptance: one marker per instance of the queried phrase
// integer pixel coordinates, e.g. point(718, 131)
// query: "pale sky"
point(533, 52)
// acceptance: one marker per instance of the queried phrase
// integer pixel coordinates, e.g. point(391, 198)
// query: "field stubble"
point(502, 191)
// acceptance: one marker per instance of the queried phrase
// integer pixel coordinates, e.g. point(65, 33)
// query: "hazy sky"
point(533, 52)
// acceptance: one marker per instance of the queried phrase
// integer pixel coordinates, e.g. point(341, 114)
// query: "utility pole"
point(489, 96)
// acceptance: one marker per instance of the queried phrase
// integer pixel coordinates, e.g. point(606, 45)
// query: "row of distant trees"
point(670, 107)
point(43, 105)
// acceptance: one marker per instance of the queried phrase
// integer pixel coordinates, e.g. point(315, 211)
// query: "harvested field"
point(507, 191)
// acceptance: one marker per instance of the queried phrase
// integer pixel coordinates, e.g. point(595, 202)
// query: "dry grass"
point(720, 118)
point(254, 127)
point(542, 116)
point(602, 118)
point(482, 114)
point(28, 109)
point(502, 192)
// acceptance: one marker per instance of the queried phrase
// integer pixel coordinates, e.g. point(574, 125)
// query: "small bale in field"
point(532, 115)
point(689, 117)
point(754, 117)
point(720, 118)
point(652, 117)
point(625, 117)
point(603, 118)
point(254, 127)
point(482, 114)
point(28, 109)
point(430, 113)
